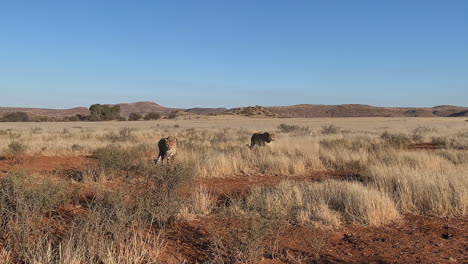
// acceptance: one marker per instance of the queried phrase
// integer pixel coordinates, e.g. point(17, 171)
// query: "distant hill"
point(458, 114)
point(252, 111)
point(357, 110)
point(143, 108)
point(54, 113)
point(302, 110)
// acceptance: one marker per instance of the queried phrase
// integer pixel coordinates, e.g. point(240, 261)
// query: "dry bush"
point(112, 231)
point(200, 203)
point(330, 129)
point(36, 130)
point(24, 202)
point(124, 134)
point(16, 148)
point(420, 132)
point(163, 201)
point(77, 148)
point(395, 139)
point(299, 130)
point(247, 240)
point(114, 158)
point(325, 204)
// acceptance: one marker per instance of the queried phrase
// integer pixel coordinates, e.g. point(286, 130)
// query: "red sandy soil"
point(43, 164)
point(415, 239)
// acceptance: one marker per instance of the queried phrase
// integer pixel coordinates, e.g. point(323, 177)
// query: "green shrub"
point(104, 112)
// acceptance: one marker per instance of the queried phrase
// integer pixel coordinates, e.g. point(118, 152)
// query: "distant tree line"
point(16, 117)
point(98, 112)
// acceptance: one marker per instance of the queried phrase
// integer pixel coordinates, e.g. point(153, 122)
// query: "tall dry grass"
point(387, 179)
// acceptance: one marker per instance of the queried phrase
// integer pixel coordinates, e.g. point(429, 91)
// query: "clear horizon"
point(186, 54)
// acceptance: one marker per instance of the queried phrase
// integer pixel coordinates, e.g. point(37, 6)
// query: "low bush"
point(293, 128)
point(114, 157)
point(247, 242)
point(77, 148)
point(17, 148)
point(172, 115)
point(33, 230)
point(330, 129)
point(125, 134)
point(421, 131)
point(134, 117)
point(152, 116)
point(440, 142)
point(395, 140)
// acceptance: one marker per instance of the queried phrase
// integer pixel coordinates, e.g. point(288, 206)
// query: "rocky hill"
point(53, 113)
point(252, 111)
point(143, 108)
point(357, 110)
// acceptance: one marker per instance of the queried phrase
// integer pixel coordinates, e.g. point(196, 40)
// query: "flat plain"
point(327, 190)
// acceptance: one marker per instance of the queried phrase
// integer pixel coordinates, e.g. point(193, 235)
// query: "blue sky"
point(214, 53)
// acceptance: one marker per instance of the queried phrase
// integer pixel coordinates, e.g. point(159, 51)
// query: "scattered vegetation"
point(152, 116)
point(395, 139)
point(125, 134)
point(172, 115)
point(15, 117)
point(122, 208)
point(330, 129)
point(17, 148)
point(134, 117)
point(294, 128)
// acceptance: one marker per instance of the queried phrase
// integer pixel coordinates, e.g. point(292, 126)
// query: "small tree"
point(152, 116)
point(104, 112)
point(134, 117)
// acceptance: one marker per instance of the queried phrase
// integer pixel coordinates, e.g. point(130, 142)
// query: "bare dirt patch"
point(44, 164)
point(417, 239)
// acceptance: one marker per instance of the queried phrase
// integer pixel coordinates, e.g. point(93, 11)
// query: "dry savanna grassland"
point(328, 190)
